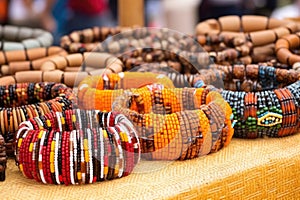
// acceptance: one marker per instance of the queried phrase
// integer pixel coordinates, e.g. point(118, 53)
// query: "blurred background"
point(64, 16)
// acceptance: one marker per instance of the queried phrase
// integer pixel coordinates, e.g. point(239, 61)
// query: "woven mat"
point(246, 169)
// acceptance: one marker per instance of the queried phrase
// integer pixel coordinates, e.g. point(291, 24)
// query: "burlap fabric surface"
point(246, 169)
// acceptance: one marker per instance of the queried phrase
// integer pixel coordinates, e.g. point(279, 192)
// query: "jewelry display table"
point(246, 169)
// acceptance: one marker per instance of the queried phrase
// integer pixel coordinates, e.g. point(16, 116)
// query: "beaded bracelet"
point(108, 87)
point(77, 147)
point(259, 30)
point(264, 100)
point(284, 46)
point(2, 158)
point(92, 62)
point(88, 39)
point(19, 102)
point(26, 60)
point(20, 38)
point(177, 123)
point(245, 39)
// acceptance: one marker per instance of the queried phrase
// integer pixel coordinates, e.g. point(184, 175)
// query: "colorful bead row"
point(19, 102)
point(77, 147)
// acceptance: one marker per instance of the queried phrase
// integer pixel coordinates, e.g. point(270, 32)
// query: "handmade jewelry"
point(77, 147)
point(264, 100)
point(20, 38)
point(26, 60)
point(20, 102)
point(177, 123)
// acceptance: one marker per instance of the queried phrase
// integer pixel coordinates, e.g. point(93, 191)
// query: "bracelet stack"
point(177, 123)
point(264, 100)
point(21, 38)
point(2, 158)
point(20, 102)
point(77, 147)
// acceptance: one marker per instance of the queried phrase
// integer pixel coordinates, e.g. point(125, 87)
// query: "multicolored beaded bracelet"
point(77, 147)
point(2, 158)
point(108, 87)
point(264, 100)
point(177, 123)
point(19, 102)
point(19, 38)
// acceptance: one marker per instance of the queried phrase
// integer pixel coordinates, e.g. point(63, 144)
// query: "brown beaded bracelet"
point(19, 102)
point(88, 39)
point(2, 158)
point(259, 30)
point(284, 47)
point(26, 60)
point(88, 61)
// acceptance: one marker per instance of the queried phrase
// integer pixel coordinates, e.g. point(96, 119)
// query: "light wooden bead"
point(230, 23)
point(252, 23)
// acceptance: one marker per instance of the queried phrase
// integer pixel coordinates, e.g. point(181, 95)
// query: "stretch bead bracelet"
point(20, 38)
point(19, 102)
point(106, 88)
point(92, 62)
point(88, 39)
point(27, 60)
point(2, 158)
point(284, 47)
point(247, 39)
point(177, 123)
point(264, 100)
point(259, 30)
point(77, 147)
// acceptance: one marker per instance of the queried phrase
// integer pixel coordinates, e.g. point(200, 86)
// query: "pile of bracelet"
point(146, 45)
point(77, 147)
point(2, 158)
point(20, 38)
point(176, 123)
point(265, 100)
point(20, 102)
point(99, 92)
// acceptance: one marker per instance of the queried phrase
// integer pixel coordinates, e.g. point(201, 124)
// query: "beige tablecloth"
point(246, 169)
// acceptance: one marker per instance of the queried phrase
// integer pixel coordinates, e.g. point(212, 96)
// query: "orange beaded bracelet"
point(178, 123)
